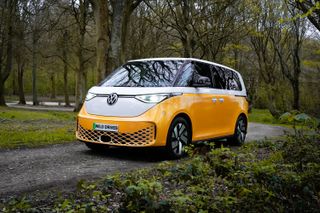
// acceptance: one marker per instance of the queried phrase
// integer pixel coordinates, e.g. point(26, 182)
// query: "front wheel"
point(240, 131)
point(179, 136)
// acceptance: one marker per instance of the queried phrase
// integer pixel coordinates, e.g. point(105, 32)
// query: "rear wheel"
point(179, 136)
point(240, 131)
point(96, 147)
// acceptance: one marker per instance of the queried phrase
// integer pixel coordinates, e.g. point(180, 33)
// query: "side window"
point(218, 77)
point(223, 78)
point(237, 81)
point(202, 74)
point(232, 80)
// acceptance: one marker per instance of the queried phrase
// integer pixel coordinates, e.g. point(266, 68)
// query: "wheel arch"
point(187, 118)
point(245, 116)
point(242, 114)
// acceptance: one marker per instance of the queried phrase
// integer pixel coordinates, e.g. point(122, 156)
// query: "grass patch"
point(23, 114)
point(262, 116)
point(25, 128)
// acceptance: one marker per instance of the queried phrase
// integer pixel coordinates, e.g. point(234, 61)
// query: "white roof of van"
point(183, 59)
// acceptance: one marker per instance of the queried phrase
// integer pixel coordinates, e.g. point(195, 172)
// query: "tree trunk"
point(20, 54)
point(272, 91)
point(85, 82)
point(4, 74)
point(79, 94)
point(22, 99)
point(79, 81)
point(187, 50)
point(116, 34)
point(297, 70)
point(34, 70)
point(14, 84)
point(127, 11)
point(77, 101)
point(2, 99)
point(53, 86)
point(65, 68)
point(101, 14)
point(65, 85)
point(296, 94)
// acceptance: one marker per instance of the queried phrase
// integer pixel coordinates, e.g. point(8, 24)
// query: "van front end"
point(137, 129)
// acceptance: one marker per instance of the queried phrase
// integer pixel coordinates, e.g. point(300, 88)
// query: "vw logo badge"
point(112, 98)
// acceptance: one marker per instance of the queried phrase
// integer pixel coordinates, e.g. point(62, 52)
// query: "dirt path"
point(28, 170)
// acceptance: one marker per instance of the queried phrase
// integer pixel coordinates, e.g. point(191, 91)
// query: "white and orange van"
point(165, 102)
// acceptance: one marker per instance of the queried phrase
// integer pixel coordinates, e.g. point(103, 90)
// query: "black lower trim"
point(211, 139)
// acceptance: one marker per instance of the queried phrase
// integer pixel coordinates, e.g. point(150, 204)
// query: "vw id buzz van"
point(165, 102)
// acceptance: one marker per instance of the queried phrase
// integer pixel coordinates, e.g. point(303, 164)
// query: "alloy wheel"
point(179, 138)
point(241, 130)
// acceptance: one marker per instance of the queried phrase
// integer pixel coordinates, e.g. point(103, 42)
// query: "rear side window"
point(233, 82)
point(224, 78)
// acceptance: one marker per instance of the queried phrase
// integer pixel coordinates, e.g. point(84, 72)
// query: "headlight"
point(155, 98)
point(152, 98)
point(90, 96)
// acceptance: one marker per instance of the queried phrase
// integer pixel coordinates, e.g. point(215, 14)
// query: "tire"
point(240, 131)
point(178, 137)
point(96, 147)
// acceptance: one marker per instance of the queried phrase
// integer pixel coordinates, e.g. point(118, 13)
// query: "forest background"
point(57, 50)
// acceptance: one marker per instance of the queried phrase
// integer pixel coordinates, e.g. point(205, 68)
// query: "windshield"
point(144, 74)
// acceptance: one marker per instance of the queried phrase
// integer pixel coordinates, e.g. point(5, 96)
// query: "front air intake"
point(142, 137)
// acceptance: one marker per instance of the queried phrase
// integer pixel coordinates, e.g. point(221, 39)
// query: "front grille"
point(142, 137)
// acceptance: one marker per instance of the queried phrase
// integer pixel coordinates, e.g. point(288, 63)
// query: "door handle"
point(221, 100)
point(214, 100)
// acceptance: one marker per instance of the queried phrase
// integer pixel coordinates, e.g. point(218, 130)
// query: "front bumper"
point(137, 134)
point(132, 131)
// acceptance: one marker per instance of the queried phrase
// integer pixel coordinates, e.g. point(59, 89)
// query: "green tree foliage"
point(77, 46)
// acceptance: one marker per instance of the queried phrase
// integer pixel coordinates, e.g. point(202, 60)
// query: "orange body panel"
point(208, 119)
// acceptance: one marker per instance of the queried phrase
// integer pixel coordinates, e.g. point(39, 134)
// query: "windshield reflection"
point(144, 74)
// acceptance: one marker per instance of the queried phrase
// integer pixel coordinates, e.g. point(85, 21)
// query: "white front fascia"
point(128, 106)
point(124, 107)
